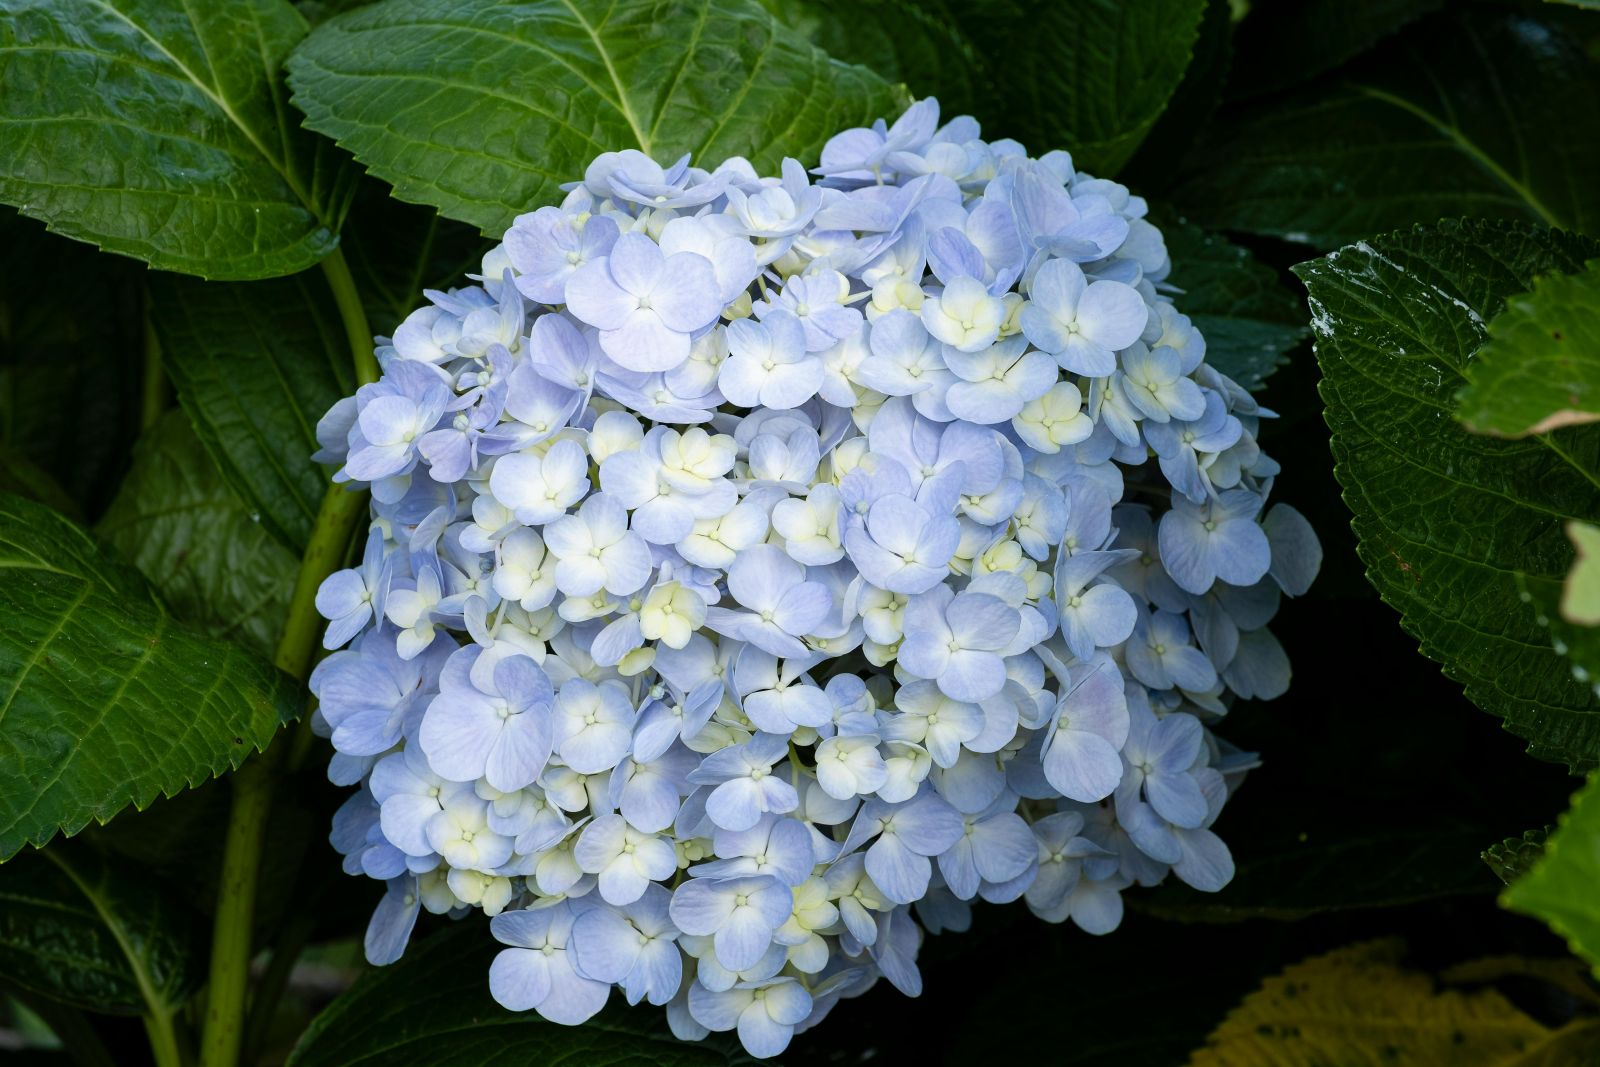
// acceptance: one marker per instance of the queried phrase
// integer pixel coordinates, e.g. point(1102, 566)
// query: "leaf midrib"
point(1468, 147)
point(280, 166)
point(623, 107)
point(157, 1004)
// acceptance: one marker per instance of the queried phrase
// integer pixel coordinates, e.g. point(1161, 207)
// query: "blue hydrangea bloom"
point(765, 569)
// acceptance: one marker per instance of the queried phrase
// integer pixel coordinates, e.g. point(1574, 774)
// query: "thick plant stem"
point(353, 315)
point(231, 946)
point(325, 553)
point(236, 902)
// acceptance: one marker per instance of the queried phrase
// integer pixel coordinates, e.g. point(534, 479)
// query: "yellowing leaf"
point(1356, 1007)
point(1580, 594)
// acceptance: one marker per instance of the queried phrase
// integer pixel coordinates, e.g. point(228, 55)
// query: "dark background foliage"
point(1292, 128)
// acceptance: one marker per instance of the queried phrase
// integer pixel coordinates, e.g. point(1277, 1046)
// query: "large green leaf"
point(77, 927)
point(1249, 319)
point(923, 44)
point(256, 365)
point(1091, 77)
point(57, 342)
point(1561, 887)
point(1482, 114)
point(1295, 875)
point(105, 699)
point(1282, 43)
point(159, 130)
point(1445, 518)
point(434, 1007)
point(1577, 643)
point(396, 250)
point(1158, 161)
point(177, 521)
point(483, 108)
point(1540, 368)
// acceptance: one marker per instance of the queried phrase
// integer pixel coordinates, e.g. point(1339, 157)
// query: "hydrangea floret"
point(762, 570)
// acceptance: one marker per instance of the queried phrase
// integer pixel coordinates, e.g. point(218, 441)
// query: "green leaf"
point(79, 928)
point(1092, 77)
point(1285, 43)
point(1579, 644)
point(22, 476)
point(160, 131)
point(179, 523)
point(1515, 856)
point(1445, 519)
point(396, 250)
point(483, 109)
point(106, 700)
point(1290, 877)
point(1540, 368)
point(1249, 319)
point(1561, 887)
point(1157, 162)
point(924, 45)
point(256, 365)
point(1357, 1005)
point(1455, 117)
point(434, 1007)
point(56, 343)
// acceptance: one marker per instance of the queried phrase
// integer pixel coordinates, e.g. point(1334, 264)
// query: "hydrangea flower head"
point(765, 569)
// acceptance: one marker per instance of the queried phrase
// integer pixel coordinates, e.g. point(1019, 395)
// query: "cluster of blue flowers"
point(764, 569)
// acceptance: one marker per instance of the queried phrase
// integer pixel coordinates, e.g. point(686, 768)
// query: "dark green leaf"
point(1457, 116)
point(105, 700)
point(483, 109)
point(1249, 319)
point(1158, 161)
point(1283, 43)
point(256, 365)
point(1445, 518)
point(1578, 644)
point(1091, 77)
point(79, 928)
point(1540, 368)
point(924, 44)
point(1561, 887)
point(179, 523)
point(1295, 876)
point(159, 130)
point(22, 476)
point(62, 337)
point(434, 1007)
point(1515, 856)
point(397, 249)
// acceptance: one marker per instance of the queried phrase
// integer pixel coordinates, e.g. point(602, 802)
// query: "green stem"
point(353, 314)
point(164, 1040)
point(153, 399)
point(325, 552)
point(232, 931)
